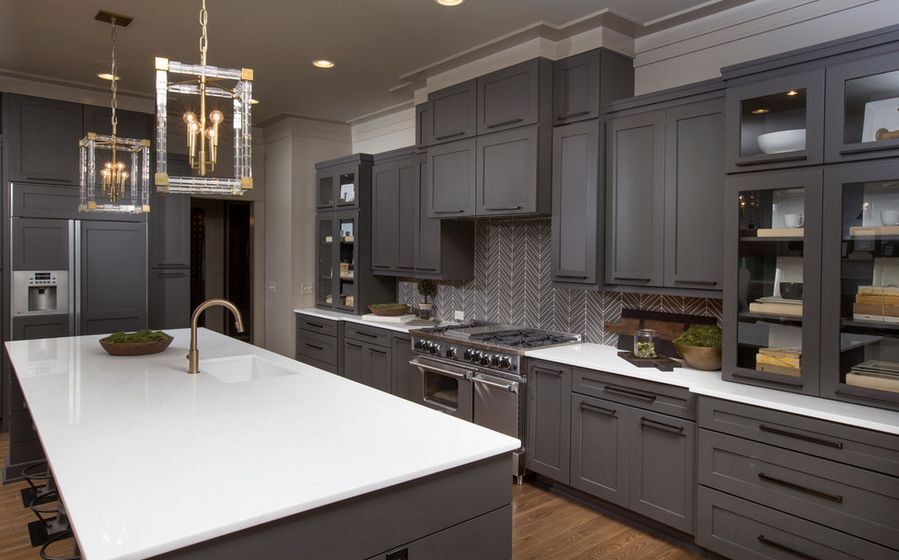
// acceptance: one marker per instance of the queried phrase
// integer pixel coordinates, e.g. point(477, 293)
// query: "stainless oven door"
point(446, 387)
point(497, 404)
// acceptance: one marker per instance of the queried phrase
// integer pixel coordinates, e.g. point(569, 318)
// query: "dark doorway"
point(239, 264)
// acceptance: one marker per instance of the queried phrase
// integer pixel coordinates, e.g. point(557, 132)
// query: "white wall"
point(385, 132)
point(293, 146)
point(697, 50)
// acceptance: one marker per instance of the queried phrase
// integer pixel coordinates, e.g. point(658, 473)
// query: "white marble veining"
point(709, 383)
point(151, 459)
point(337, 316)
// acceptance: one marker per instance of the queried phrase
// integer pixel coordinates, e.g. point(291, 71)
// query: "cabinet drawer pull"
point(572, 115)
point(380, 266)
point(631, 279)
point(629, 393)
point(426, 269)
point(774, 544)
point(448, 211)
point(504, 123)
point(792, 485)
point(453, 135)
point(556, 372)
point(697, 282)
point(599, 409)
point(575, 276)
point(803, 437)
point(377, 351)
point(501, 208)
point(315, 346)
point(316, 325)
point(661, 425)
point(363, 333)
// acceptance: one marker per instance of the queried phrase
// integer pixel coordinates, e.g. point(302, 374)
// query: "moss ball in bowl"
point(138, 343)
point(700, 347)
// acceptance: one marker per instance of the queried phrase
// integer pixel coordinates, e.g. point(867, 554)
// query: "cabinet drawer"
point(854, 446)
point(666, 399)
point(318, 347)
point(317, 325)
point(854, 500)
point(369, 335)
point(21, 427)
point(736, 528)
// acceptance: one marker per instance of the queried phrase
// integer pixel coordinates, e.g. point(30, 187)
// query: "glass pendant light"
point(115, 171)
point(204, 94)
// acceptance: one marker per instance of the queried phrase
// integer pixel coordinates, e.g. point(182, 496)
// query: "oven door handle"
point(428, 367)
point(511, 387)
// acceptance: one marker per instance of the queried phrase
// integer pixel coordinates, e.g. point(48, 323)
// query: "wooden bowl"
point(135, 348)
point(698, 357)
point(389, 311)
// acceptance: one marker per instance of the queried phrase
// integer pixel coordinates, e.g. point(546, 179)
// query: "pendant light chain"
point(204, 38)
point(114, 86)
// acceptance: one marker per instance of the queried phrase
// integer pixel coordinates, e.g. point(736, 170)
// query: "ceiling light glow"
point(323, 63)
point(107, 76)
point(449, 2)
point(792, 92)
point(761, 111)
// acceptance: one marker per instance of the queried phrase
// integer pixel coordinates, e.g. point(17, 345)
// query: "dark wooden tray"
point(662, 363)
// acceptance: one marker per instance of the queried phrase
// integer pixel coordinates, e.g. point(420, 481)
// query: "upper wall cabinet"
point(451, 179)
point(514, 96)
point(863, 109)
point(513, 171)
point(42, 139)
point(339, 187)
point(775, 122)
point(584, 83)
point(453, 113)
point(395, 196)
point(129, 124)
point(422, 126)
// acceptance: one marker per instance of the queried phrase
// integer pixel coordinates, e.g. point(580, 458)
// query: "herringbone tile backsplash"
point(512, 284)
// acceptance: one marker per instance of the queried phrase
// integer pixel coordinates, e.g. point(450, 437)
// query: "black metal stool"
point(43, 500)
point(75, 555)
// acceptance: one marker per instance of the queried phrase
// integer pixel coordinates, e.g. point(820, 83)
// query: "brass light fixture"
point(204, 125)
point(122, 182)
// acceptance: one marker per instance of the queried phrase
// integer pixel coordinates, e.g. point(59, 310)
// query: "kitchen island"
point(256, 456)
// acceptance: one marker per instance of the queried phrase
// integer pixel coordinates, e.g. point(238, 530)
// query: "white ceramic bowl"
point(782, 141)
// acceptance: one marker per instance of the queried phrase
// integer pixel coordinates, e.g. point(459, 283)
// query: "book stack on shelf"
point(876, 303)
point(780, 361)
point(875, 374)
point(777, 306)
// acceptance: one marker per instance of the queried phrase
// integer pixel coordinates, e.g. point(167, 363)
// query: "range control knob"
point(468, 355)
point(433, 348)
point(495, 360)
point(476, 356)
point(506, 362)
point(485, 359)
point(419, 344)
point(451, 352)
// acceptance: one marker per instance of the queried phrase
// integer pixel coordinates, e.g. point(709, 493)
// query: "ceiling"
point(372, 42)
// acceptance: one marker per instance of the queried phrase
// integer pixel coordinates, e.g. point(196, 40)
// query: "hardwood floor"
point(546, 527)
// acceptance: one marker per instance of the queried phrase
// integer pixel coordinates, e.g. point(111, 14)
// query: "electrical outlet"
point(307, 289)
point(272, 287)
point(459, 315)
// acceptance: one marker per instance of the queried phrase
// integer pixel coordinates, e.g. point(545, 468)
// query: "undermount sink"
point(240, 369)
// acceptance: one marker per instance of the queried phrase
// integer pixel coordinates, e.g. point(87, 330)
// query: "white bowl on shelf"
point(782, 141)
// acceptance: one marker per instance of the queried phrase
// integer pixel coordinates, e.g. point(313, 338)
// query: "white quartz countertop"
point(710, 384)
point(337, 316)
point(150, 459)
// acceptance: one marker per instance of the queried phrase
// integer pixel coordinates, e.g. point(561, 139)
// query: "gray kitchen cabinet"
point(422, 126)
point(40, 326)
point(635, 197)
point(549, 420)
point(113, 276)
point(43, 201)
point(514, 172)
point(368, 364)
point(395, 199)
point(453, 113)
point(407, 380)
point(130, 124)
point(694, 187)
point(577, 205)
point(39, 244)
point(599, 455)
point(169, 299)
point(443, 249)
point(451, 179)
point(514, 96)
point(320, 343)
point(41, 139)
point(586, 82)
point(343, 183)
point(169, 224)
point(661, 461)
point(354, 361)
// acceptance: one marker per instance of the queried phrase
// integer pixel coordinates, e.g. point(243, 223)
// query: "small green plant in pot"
point(427, 289)
point(700, 347)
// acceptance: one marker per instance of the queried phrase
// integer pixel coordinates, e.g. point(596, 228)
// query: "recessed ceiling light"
point(792, 92)
point(108, 76)
point(323, 63)
point(761, 111)
point(254, 102)
point(449, 2)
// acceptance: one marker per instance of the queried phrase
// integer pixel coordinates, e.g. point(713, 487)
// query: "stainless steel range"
point(476, 372)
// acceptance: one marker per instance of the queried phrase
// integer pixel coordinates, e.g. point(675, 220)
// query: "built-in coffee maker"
point(40, 292)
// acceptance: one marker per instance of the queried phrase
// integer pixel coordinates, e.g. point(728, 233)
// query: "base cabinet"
point(549, 420)
point(319, 343)
point(406, 381)
point(599, 448)
point(368, 364)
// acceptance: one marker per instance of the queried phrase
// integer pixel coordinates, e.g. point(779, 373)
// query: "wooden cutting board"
point(661, 363)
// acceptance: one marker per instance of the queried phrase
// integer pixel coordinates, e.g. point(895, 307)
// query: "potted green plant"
point(700, 347)
point(427, 289)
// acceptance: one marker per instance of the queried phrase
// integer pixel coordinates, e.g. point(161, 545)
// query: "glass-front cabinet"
point(325, 281)
point(863, 109)
point(338, 188)
point(772, 279)
point(337, 259)
point(860, 283)
point(776, 123)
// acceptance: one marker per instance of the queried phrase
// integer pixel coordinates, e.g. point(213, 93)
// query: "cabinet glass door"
point(326, 248)
point(326, 191)
point(773, 276)
point(347, 257)
point(861, 283)
point(863, 109)
point(346, 187)
point(776, 123)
